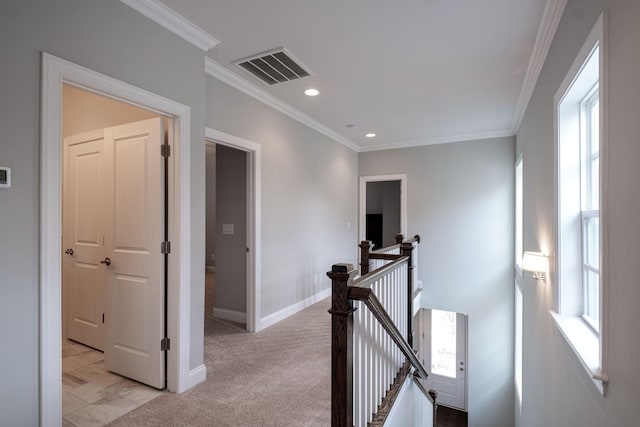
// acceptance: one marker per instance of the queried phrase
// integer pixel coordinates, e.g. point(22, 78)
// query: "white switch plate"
point(228, 229)
point(5, 177)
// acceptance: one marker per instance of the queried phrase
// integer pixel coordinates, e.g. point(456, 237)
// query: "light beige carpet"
point(280, 377)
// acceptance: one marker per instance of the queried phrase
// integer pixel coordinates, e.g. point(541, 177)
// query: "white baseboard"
point(274, 318)
point(209, 269)
point(234, 316)
point(197, 375)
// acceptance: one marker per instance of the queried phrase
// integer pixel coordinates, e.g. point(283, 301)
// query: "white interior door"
point(82, 241)
point(134, 278)
point(444, 355)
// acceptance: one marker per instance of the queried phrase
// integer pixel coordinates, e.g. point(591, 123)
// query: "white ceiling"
point(415, 72)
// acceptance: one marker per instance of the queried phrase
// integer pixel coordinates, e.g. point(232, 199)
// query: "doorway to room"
point(382, 208)
point(113, 276)
point(55, 73)
point(227, 239)
point(234, 224)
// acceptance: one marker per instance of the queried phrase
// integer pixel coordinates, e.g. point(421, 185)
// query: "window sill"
point(585, 344)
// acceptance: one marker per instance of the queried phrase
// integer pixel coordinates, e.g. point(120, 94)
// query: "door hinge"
point(165, 247)
point(102, 317)
point(165, 150)
point(165, 344)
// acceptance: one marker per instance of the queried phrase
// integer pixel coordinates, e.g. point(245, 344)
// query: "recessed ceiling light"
point(312, 92)
point(370, 135)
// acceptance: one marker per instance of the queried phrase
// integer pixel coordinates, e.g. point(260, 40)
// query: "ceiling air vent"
point(274, 66)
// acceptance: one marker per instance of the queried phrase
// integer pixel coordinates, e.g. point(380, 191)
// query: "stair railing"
point(372, 334)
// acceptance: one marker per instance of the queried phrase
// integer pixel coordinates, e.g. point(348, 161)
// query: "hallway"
point(277, 377)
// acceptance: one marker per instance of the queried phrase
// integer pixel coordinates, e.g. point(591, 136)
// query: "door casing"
point(363, 201)
point(254, 220)
point(55, 73)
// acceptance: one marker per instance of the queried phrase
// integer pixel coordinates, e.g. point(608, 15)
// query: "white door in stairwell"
point(443, 350)
point(128, 264)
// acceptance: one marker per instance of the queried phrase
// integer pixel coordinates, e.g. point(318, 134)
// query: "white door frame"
point(363, 201)
point(254, 220)
point(56, 72)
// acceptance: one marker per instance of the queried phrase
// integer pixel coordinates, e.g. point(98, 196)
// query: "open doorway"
point(227, 225)
point(55, 73)
point(113, 281)
point(382, 208)
point(234, 245)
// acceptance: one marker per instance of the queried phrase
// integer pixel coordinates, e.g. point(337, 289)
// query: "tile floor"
point(92, 396)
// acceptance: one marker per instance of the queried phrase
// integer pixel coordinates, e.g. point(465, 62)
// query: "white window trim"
point(580, 337)
point(518, 353)
point(519, 232)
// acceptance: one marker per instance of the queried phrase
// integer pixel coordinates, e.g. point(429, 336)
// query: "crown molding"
point(221, 73)
point(174, 22)
point(548, 26)
point(441, 140)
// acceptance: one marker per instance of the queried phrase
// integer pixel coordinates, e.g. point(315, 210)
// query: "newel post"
point(407, 250)
point(399, 238)
point(341, 346)
point(365, 248)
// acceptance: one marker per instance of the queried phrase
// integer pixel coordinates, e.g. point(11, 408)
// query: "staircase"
point(376, 374)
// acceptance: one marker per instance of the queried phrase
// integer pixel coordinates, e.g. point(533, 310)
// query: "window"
point(590, 209)
point(518, 345)
point(519, 209)
point(580, 140)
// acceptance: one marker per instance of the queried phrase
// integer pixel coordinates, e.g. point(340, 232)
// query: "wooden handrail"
point(390, 257)
point(366, 295)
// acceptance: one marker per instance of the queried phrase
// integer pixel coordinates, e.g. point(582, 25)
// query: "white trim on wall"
point(279, 315)
point(56, 72)
point(174, 22)
point(232, 315)
point(254, 226)
point(221, 73)
point(548, 26)
point(363, 201)
point(197, 375)
point(442, 140)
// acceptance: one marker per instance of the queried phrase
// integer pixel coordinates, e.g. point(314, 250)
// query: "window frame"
point(518, 343)
point(589, 211)
point(588, 346)
point(519, 213)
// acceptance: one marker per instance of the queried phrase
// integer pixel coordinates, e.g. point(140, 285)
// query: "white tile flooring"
point(92, 396)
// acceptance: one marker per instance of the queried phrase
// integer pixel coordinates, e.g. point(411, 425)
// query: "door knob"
point(106, 261)
point(69, 251)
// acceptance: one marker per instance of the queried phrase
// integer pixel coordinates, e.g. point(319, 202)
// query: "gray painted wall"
point(556, 389)
point(231, 209)
point(460, 201)
point(111, 38)
point(309, 196)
